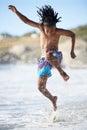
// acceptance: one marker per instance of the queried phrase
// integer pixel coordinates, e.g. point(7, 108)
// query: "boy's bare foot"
point(54, 103)
point(64, 75)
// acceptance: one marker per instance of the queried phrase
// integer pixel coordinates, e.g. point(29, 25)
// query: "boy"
point(49, 39)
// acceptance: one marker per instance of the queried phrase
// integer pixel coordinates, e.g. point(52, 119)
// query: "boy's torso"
point(49, 42)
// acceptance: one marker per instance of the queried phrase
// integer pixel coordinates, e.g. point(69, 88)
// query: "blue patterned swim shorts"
point(44, 67)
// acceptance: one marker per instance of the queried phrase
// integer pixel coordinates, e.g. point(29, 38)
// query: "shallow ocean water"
point(23, 107)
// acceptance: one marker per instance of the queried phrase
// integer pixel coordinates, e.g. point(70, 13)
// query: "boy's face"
point(49, 29)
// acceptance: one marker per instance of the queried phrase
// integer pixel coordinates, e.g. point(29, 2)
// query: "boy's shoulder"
point(60, 29)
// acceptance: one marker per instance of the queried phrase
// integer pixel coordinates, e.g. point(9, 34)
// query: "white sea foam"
point(23, 107)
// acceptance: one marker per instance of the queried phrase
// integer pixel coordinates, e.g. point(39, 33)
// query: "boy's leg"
point(42, 87)
point(54, 61)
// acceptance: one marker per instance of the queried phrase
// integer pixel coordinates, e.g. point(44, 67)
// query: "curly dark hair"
point(48, 16)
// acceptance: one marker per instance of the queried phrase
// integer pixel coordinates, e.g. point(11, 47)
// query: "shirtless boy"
point(49, 40)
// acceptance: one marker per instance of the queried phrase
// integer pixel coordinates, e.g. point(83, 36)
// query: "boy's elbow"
point(73, 35)
point(25, 21)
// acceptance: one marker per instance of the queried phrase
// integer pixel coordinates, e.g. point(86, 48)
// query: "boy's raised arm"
point(72, 35)
point(23, 18)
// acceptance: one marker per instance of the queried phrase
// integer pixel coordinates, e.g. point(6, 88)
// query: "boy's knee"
point(41, 88)
point(51, 58)
point(42, 83)
point(49, 55)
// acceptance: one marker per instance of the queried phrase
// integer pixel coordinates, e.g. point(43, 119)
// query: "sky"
point(73, 13)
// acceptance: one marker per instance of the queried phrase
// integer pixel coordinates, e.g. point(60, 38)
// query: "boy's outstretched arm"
point(73, 45)
point(72, 35)
point(23, 18)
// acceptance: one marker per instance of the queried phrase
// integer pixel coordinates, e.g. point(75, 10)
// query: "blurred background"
point(19, 43)
point(22, 106)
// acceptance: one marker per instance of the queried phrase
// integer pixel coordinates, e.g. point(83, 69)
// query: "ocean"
point(23, 107)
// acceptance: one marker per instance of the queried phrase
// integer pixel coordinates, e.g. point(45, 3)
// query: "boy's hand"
point(73, 54)
point(13, 8)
